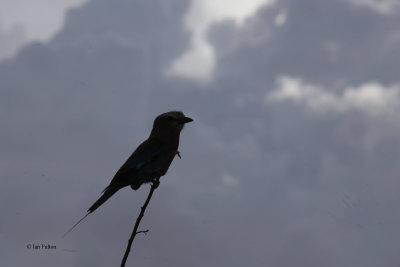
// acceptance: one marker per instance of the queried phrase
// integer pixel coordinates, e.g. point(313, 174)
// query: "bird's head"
point(171, 122)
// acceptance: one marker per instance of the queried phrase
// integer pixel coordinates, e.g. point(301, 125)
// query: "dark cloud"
point(259, 184)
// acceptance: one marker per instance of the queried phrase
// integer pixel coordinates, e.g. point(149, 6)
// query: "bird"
point(149, 161)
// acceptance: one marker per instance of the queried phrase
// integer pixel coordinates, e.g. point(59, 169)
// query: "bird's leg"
point(156, 182)
point(179, 154)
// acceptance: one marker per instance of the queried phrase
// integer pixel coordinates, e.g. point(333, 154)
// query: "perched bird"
point(150, 160)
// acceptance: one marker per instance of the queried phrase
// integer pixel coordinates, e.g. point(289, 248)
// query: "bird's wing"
point(146, 153)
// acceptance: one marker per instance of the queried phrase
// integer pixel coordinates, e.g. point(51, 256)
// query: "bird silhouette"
point(149, 161)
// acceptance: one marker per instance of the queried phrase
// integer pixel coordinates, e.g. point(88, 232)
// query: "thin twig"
point(139, 218)
point(144, 232)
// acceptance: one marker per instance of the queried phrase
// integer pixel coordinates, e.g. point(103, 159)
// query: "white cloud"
point(281, 18)
point(370, 98)
point(384, 7)
point(11, 40)
point(198, 63)
point(40, 19)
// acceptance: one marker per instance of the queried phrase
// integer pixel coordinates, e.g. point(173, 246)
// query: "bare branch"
point(155, 184)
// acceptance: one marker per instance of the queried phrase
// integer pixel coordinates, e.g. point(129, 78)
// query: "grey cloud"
point(319, 41)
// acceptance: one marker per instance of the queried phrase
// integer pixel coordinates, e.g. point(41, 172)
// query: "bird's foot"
point(179, 154)
point(156, 183)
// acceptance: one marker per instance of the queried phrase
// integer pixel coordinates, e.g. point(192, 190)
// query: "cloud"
point(41, 19)
point(24, 21)
point(281, 18)
point(383, 7)
point(228, 180)
point(11, 40)
point(370, 98)
point(198, 62)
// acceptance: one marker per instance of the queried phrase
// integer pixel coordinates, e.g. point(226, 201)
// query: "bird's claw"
point(156, 183)
point(179, 154)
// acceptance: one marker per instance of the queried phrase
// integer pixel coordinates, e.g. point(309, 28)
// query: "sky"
point(292, 158)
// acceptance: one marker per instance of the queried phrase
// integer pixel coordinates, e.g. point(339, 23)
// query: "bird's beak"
point(186, 120)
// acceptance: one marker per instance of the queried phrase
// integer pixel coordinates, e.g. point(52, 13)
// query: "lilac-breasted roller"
point(150, 160)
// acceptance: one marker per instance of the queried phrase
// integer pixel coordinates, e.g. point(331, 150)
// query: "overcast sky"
point(292, 158)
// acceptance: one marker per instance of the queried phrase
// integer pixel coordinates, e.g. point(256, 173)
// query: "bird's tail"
point(70, 229)
point(107, 193)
